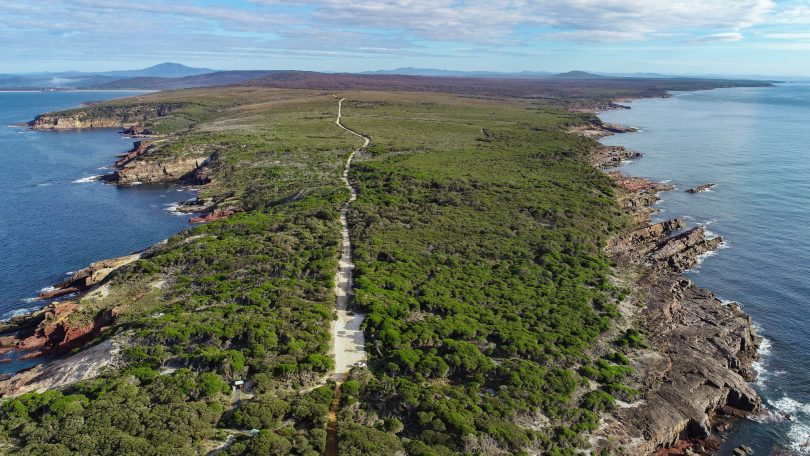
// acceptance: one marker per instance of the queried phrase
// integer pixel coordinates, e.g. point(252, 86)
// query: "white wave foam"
point(799, 435)
point(759, 365)
point(136, 183)
point(666, 181)
point(787, 409)
point(47, 289)
point(87, 179)
point(789, 406)
point(17, 312)
point(701, 258)
point(174, 209)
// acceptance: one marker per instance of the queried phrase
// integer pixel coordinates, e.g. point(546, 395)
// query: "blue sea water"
point(754, 143)
point(52, 220)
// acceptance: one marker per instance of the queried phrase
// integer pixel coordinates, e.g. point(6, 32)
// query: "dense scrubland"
point(478, 232)
point(244, 298)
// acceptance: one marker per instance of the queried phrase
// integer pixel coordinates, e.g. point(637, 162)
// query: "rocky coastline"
point(695, 375)
point(50, 329)
point(145, 163)
point(53, 330)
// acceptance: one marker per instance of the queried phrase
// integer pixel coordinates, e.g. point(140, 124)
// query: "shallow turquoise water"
point(49, 223)
point(754, 143)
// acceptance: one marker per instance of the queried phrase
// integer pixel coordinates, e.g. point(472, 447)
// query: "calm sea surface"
point(754, 143)
point(52, 220)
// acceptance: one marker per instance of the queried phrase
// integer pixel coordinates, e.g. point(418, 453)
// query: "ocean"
point(754, 143)
point(54, 219)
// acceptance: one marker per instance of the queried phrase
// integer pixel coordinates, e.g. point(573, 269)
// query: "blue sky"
point(745, 37)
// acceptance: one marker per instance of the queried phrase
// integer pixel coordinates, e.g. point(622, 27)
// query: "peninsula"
point(500, 292)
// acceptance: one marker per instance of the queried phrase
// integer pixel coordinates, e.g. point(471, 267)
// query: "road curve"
point(348, 341)
point(348, 346)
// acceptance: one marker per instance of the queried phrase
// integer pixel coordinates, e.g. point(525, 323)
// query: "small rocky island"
point(701, 188)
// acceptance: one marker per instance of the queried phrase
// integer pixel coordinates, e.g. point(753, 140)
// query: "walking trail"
point(348, 346)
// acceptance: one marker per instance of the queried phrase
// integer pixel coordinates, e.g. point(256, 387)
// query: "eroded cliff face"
point(73, 122)
point(158, 170)
point(147, 161)
point(103, 116)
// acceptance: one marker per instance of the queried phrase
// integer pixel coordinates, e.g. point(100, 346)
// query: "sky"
point(694, 37)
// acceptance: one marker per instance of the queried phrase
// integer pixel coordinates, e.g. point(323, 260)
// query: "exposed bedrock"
point(706, 349)
point(81, 366)
point(140, 170)
point(73, 122)
point(701, 188)
point(103, 116)
point(52, 328)
point(701, 349)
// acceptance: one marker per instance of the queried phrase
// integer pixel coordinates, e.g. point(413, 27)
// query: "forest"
point(478, 239)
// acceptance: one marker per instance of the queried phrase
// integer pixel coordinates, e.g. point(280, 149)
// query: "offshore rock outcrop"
point(701, 188)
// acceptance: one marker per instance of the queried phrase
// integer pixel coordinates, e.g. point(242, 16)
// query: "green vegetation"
point(247, 298)
point(479, 231)
point(478, 236)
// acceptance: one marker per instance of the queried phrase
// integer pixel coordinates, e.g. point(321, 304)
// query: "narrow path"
point(348, 341)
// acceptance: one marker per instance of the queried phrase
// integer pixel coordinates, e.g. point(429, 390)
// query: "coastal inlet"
point(59, 219)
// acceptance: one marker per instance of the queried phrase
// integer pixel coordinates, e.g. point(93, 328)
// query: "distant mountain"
point(201, 80)
point(579, 75)
point(76, 80)
point(640, 75)
point(169, 76)
point(410, 71)
point(162, 70)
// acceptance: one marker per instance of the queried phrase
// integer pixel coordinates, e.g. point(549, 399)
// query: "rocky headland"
point(147, 162)
point(698, 364)
point(130, 117)
point(51, 329)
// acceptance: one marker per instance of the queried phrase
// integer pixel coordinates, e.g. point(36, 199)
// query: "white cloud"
point(792, 14)
point(487, 20)
point(719, 37)
point(798, 36)
point(109, 29)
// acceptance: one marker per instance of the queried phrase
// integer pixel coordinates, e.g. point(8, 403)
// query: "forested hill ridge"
point(497, 322)
point(567, 85)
